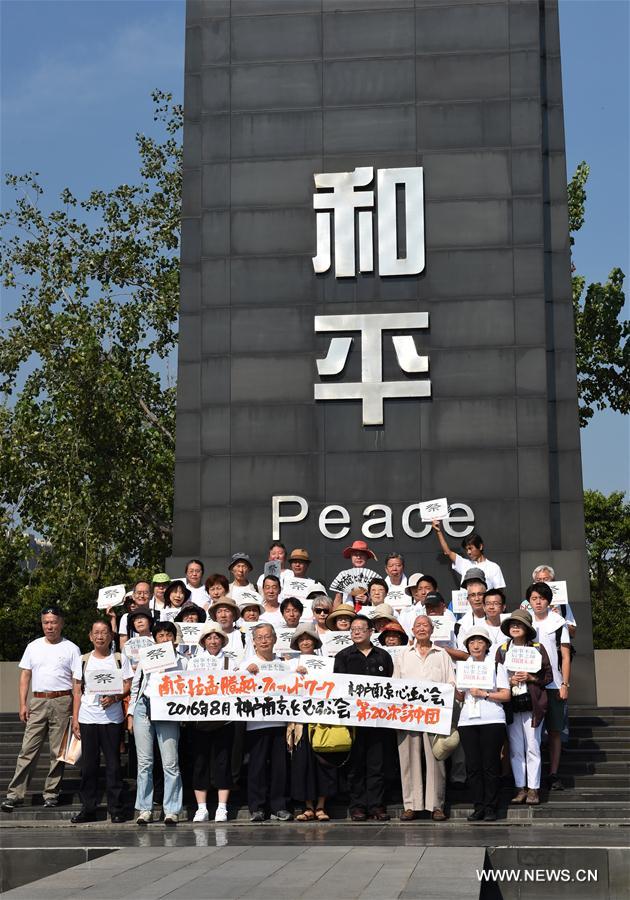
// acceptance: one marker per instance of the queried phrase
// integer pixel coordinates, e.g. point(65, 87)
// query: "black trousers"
point(95, 738)
point(267, 769)
point(366, 769)
point(212, 747)
point(482, 749)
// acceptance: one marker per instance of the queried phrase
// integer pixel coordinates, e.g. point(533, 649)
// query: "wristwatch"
point(565, 684)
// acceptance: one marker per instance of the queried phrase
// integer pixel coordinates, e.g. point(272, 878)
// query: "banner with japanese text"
point(281, 697)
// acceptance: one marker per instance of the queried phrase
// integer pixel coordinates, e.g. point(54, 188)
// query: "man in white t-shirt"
point(97, 721)
point(474, 548)
point(47, 667)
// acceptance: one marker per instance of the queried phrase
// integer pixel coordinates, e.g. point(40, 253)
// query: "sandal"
point(307, 816)
point(321, 815)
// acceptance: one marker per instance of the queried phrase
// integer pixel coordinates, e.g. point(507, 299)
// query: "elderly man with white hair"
point(422, 661)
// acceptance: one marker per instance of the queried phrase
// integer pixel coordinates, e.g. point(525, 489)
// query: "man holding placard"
point(104, 679)
point(46, 667)
point(474, 549)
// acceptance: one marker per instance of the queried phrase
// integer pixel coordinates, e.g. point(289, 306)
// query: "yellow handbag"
point(331, 738)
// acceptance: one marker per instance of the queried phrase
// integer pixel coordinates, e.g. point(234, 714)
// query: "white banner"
point(103, 681)
point(110, 596)
point(158, 657)
point(272, 696)
point(523, 659)
point(474, 674)
point(433, 509)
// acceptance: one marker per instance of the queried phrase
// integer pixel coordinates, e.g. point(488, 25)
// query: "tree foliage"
point(602, 339)
point(607, 523)
point(87, 427)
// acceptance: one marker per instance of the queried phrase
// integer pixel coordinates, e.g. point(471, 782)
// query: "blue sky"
point(76, 82)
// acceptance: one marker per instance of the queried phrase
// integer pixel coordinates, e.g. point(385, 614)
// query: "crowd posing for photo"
point(363, 623)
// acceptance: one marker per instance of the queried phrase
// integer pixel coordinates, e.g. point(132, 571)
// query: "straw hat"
point(520, 617)
point(302, 630)
point(223, 601)
point(479, 631)
point(188, 608)
point(212, 628)
point(344, 609)
point(358, 545)
point(393, 628)
point(384, 611)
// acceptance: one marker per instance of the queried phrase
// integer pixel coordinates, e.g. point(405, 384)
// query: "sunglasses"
point(318, 612)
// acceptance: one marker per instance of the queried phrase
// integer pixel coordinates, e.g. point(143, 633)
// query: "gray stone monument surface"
point(471, 91)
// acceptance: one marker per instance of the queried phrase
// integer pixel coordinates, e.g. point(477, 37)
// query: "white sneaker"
point(145, 817)
point(220, 815)
point(201, 815)
point(171, 819)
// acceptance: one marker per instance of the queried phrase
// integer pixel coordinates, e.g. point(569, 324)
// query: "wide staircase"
point(595, 769)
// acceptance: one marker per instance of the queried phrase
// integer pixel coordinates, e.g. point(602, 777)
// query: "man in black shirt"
point(366, 777)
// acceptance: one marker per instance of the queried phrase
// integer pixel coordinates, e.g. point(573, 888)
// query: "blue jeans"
point(167, 734)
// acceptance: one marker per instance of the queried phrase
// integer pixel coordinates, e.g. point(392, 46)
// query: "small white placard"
point(169, 613)
point(206, 663)
point(158, 657)
point(560, 593)
point(134, 645)
point(442, 628)
point(284, 638)
point(110, 596)
point(434, 509)
point(241, 594)
point(103, 681)
point(275, 665)
point(393, 651)
point(297, 587)
point(335, 641)
point(190, 632)
point(474, 674)
point(273, 567)
point(398, 598)
point(316, 664)
point(523, 659)
point(460, 601)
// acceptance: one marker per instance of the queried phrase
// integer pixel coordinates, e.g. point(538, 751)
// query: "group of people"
point(365, 624)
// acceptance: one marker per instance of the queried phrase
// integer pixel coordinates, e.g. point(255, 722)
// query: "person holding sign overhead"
point(474, 549)
point(481, 725)
point(528, 704)
point(167, 733)
point(98, 720)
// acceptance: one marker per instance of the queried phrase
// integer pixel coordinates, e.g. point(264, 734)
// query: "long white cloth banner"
point(277, 697)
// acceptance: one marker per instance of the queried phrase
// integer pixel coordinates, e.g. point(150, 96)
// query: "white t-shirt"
point(569, 617)
point(546, 631)
point(91, 712)
point(198, 595)
point(490, 712)
point(493, 573)
point(496, 635)
point(402, 585)
point(52, 666)
point(273, 618)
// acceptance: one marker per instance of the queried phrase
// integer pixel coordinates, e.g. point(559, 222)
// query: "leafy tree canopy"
point(607, 524)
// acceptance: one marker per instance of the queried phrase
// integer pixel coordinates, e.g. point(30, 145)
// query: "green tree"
point(607, 525)
point(87, 430)
point(602, 340)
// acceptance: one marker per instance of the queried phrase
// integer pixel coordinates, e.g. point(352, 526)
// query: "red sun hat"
point(358, 545)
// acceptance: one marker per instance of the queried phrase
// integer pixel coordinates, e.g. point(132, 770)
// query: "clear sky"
point(76, 82)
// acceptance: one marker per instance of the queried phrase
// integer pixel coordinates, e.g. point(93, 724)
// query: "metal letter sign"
point(345, 194)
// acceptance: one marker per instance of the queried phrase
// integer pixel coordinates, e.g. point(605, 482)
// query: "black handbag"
point(521, 703)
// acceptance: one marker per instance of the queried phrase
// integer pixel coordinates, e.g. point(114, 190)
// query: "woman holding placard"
point(482, 722)
point(528, 703)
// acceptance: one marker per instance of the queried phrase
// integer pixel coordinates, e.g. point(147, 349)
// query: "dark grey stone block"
point(192, 95)
point(470, 273)
point(369, 33)
point(343, 428)
point(190, 289)
point(461, 28)
point(188, 386)
point(215, 380)
point(215, 233)
point(494, 423)
point(215, 481)
point(276, 37)
point(372, 129)
point(191, 154)
point(270, 231)
point(215, 138)
point(553, 87)
point(396, 472)
point(189, 338)
point(215, 190)
point(530, 323)
point(277, 134)
point(187, 484)
point(214, 282)
point(565, 374)
point(191, 193)
point(531, 371)
point(533, 472)
point(188, 437)
point(528, 271)
point(198, 10)
point(215, 331)
point(256, 477)
point(531, 421)
point(453, 125)
point(215, 432)
point(525, 73)
point(526, 123)
point(185, 530)
point(555, 129)
point(214, 535)
point(273, 7)
point(467, 223)
point(563, 325)
point(257, 427)
point(269, 330)
point(482, 173)
point(570, 475)
point(193, 49)
point(215, 41)
point(469, 77)
point(527, 221)
point(191, 242)
point(534, 529)
point(567, 429)
point(524, 24)
point(264, 379)
point(572, 522)
point(360, 5)
point(274, 280)
point(469, 372)
point(459, 322)
point(496, 473)
point(286, 182)
point(369, 82)
point(276, 86)
point(215, 89)
point(527, 172)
